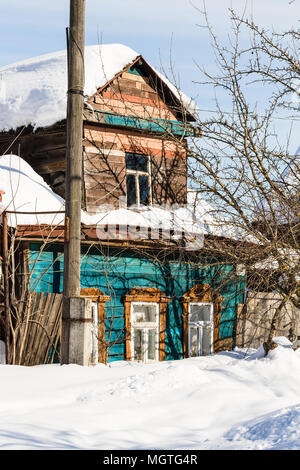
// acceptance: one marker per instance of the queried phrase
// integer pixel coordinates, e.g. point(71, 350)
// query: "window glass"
point(144, 313)
point(144, 189)
point(206, 340)
point(131, 190)
point(151, 344)
point(200, 312)
point(136, 162)
point(137, 344)
point(194, 342)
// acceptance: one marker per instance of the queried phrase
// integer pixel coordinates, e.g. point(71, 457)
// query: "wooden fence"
point(39, 332)
point(254, 319)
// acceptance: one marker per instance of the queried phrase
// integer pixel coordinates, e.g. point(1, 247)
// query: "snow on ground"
point(232, 400)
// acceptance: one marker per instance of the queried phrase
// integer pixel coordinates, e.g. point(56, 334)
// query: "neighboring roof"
point(26, 191)
point(34, 91)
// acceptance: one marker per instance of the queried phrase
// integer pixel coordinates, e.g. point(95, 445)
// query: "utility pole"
point(71, 287)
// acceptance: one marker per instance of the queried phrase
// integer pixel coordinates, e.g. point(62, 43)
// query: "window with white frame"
point(138, 179)
point(200, 329)
point(145, 331)
point(95, 333)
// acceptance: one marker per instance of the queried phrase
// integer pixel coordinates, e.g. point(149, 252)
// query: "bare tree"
point(241, 166)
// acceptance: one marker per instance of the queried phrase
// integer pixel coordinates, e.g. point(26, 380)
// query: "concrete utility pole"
point(71, 288)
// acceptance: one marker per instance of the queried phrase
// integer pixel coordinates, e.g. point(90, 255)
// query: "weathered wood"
point(6, 286)
point(40, 328)
point(71, 281)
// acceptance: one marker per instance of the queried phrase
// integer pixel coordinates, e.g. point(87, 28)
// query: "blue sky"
point(157, 29)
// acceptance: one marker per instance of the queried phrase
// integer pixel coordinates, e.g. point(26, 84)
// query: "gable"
point(137, 97)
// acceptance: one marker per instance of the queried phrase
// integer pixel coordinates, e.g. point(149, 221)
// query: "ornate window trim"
point(146, 294)
point(201, 293)
point(96, 295)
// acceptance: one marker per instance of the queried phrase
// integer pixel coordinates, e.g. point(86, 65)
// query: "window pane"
point(131, 190)
point(137, 345)
point(144, 313)
point(194, 342)
point(200, 313)
point(136, 162)
point(206, 340)
point(151, 345)
point(144, 190)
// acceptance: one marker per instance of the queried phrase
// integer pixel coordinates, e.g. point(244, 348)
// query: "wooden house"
point(157, 299)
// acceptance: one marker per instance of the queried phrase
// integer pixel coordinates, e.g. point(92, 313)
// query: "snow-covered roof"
point(26, 191)
point(215, 223)
point(34, 91)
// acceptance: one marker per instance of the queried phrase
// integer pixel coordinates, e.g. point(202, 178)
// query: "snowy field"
point(225, 401)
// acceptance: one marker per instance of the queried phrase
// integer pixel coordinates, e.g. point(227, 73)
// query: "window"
point(145, 324)
point(200, 324)
point(144, 331)
point(138, 180)
point(201, 309)
point(98, 345)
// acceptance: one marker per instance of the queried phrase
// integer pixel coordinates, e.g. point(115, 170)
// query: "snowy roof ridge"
point(34, 91)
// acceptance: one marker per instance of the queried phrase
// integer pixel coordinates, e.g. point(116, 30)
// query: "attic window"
point(138, 180)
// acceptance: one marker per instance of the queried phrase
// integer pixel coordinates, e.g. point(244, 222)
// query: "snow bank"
point(34, 91)
point(230, 400)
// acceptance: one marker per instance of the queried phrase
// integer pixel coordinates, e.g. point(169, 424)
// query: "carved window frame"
point(96, 295)
point(144, 295)
point(198, 294)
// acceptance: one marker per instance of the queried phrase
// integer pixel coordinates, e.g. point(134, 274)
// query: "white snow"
point(26, 191)
point(231, 400)
point(34, 91)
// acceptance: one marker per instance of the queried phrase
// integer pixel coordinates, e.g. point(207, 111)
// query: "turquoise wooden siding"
point(135, 70)
point(153, 125)
point(116, 271)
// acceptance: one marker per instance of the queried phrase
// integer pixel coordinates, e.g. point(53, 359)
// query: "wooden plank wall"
point(105, 147)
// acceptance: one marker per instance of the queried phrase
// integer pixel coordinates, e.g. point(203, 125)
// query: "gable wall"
point(104, 166)
point(131, 94)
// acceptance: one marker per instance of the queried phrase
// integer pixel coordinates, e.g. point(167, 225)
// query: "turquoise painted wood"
point(135, 70)
point(154, 124)
point(115, 272)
